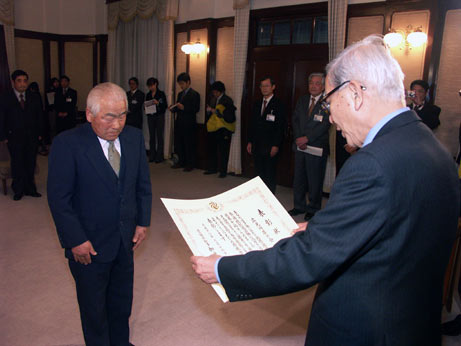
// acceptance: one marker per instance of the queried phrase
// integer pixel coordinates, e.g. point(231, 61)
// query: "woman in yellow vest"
point(220, 124)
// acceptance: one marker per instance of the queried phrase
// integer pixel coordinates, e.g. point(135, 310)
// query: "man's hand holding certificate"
point(243, 219)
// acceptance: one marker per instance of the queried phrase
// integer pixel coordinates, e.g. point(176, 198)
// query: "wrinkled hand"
point(249, 148)
point(204, 268)
point(82, 253)
point(62, 114)
point(155, 102)
point(180, 106)
point(350, 149)
point(301, 141)
point(139, 236)
point(301, 227)
point(274, 151)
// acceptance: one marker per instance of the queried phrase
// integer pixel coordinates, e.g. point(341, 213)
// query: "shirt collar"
point(18, 93)
point(380, 124)
point(268, 99)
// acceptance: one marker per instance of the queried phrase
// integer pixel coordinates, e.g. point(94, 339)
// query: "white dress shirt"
point(105, 147)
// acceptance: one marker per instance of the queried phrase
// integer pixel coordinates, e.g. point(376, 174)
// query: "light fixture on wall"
point(411, 37)
point(193, 48)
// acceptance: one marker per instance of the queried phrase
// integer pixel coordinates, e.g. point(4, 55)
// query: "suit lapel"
point(99, 161)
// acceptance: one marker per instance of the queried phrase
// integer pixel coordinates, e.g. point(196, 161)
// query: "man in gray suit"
point(379, 248)
point(310, 131)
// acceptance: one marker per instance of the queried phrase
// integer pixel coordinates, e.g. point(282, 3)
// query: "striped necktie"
point(114, 157)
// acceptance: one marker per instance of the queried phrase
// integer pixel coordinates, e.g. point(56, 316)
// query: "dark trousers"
point(23, 152)
point(218, 150)
point(105, 296)
point(185, 143)
point(309, 175)
point(266, 168)
point(156, 125)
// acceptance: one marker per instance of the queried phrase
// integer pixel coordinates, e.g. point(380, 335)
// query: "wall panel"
point(54, 59)
point(361, 27)
point(79, 68)
point(197, 70)
point(225, 58)
point(29, 57)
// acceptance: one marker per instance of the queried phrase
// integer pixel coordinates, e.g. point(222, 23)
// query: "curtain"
point(241, 28)
point(141, 45)
point(7, 19)
point(337, 15)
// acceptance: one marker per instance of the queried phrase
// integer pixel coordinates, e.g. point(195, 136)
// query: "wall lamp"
point(412, 37)
point(193, 48)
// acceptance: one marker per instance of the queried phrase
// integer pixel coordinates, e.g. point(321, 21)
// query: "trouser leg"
point(223, 147)
point(152, 139)
point(315, 167)
point(300, 185)
point(160, 128)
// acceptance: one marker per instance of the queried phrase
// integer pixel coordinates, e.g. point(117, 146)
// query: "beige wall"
point(361, 27)
point(225, 58)
point(29, 57)
point(197, 70)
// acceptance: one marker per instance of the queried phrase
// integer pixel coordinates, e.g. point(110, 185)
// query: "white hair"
point(317, 74)
point(101, 91)
point(370, 63)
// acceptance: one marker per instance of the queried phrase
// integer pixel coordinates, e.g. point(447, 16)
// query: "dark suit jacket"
point(15, 123)
point(315, 127)
point(161, 98)
point(378, 249)
point(191, 102)
point(88, 201)
point(429, 114)
point(66, 103)
point(263, 133)
point(135, 105)
point(229, 109)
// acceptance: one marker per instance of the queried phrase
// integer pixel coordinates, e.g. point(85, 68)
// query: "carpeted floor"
point(38, 305)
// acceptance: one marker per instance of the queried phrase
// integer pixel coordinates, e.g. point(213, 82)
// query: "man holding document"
point(379, 248)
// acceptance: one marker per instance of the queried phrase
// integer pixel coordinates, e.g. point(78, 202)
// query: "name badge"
point(134, 102)
point(318, 117)
point(270, 117)
point(68, 99)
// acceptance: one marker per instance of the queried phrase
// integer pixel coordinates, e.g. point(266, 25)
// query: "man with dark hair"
point(265, 135)
point(135, 103)
point(220, 123)
point(156, 121)
point(429, 113)
point(65, 101)
point(186, 107)
point(21, 126)
point(310, 130)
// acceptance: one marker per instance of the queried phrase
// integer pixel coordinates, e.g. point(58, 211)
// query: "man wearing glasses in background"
point(379, 248)
point(100, 197)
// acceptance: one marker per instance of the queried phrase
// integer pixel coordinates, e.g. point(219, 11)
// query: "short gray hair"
point(103, 90)
point(369, 62)
point(316, 74)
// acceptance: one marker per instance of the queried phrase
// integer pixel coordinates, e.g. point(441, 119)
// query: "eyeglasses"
point(325, 104)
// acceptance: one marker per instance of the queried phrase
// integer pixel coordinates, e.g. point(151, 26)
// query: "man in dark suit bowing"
point(100, 197)
point(310, 131)
point(265, 134)
point(21, 126)
point(135, 104)
point(65, 103)
point(379, 248)
point(185, 136)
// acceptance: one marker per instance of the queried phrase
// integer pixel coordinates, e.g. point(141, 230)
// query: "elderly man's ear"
point(356, 92)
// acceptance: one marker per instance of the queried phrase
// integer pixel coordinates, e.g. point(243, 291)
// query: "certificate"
point(50, 97)
point(150, 107)
point(243, 219)
point(312, 150)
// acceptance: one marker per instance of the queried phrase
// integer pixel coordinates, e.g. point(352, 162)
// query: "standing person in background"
point(50, 108)
point(265, 134)
point(429, 113)
point(220, 123)
point(135, 103)
point(185, 132)
point(156, 121)
point(66, 106)
point(21, 127)
point(34, 88)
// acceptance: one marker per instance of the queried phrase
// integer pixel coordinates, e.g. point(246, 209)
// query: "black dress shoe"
point(308, 215)
point(159, 160)
point(222, 175)
point(209, 172)
point(151, 160)
point(294, 212)
point(188, 169)
point(452, 328)
point(17, 196)
point(175, 166)
point(34, 194)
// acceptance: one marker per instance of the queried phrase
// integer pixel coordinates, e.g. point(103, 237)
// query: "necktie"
point(311, 107)
point(21, 101)
point(114, 157)
point(264, 106)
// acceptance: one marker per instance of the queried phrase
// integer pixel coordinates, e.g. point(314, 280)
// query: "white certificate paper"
point(243, 219)
point(50, 97)
point(150, 107)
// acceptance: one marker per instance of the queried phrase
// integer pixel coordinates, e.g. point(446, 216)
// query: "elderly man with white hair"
point(379, 248)
point(100, 197)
